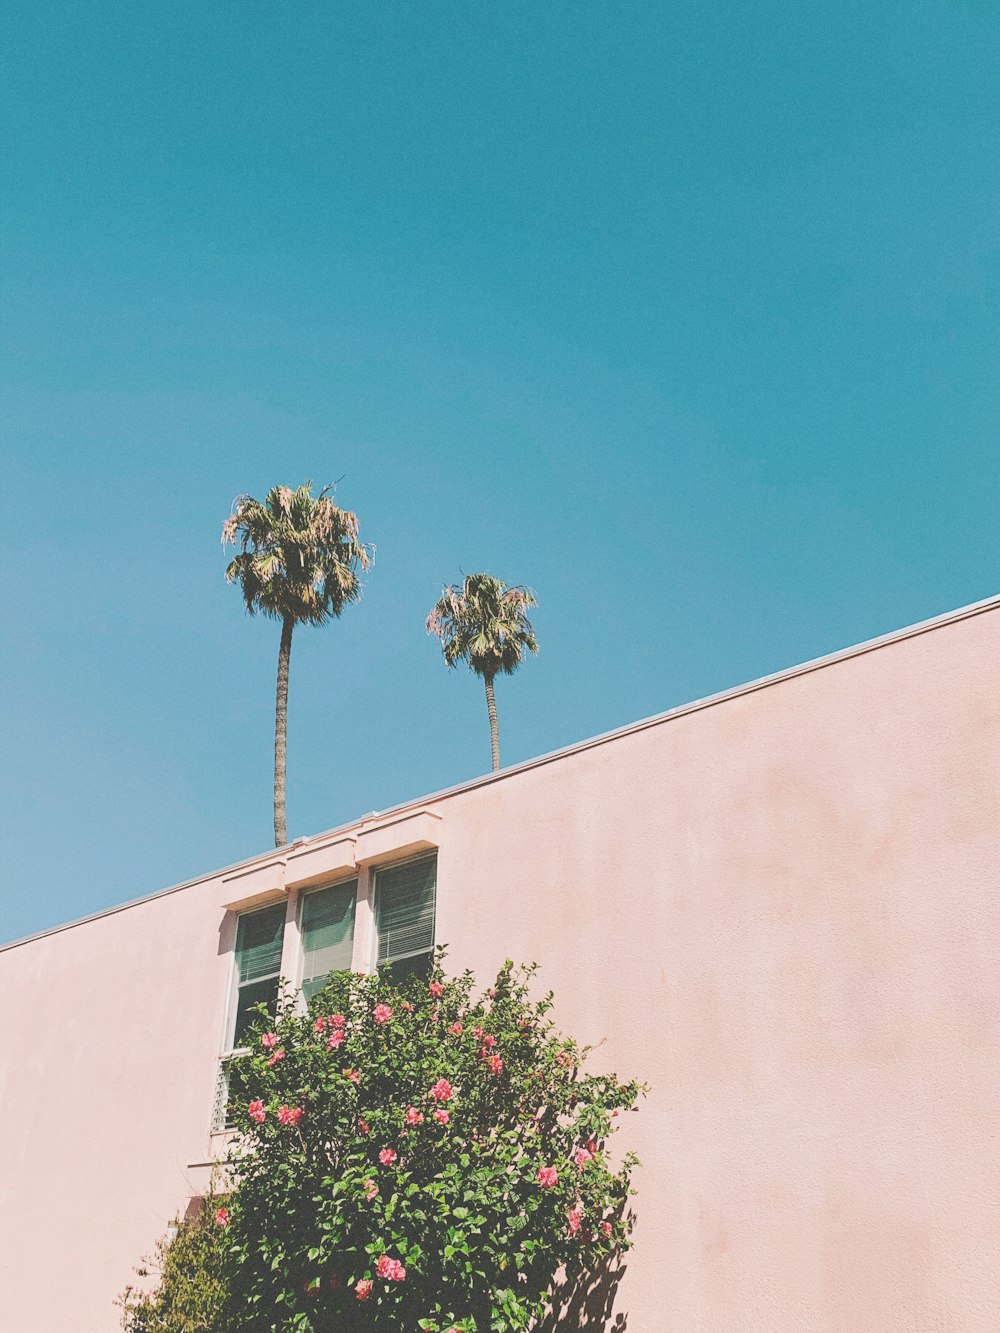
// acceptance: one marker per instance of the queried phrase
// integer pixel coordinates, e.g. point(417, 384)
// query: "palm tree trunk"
point(491, 708)
point(281, 732)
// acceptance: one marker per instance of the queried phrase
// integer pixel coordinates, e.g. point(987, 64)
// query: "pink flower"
point(547, 1176)
point(387, 1156)
point(583, 1156)
point(488, 1040)
point(352, 1075)
point(337, 1020)
point(495, 1064)
point(575, 1217)
point(381, 1013)
point(436, 989)
point(441, 1116)
point(491, 993)
point(371, 1189)
point(390, 1268)
point(434, 1013)
point(222, 1217)
point(319, 1025)
point(441, 1091)
point(289, 1115)
point(257, 1112)
point(268, 1040)
point(335, 1039)
point(364, 1289)
point(413, 1116)
point(607, 1228)
point(363, 1126)
point(455, 1029)
point(277, 1055)
point(479, 1033)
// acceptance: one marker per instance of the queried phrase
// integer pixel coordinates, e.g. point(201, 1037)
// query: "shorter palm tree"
point(482, 621)
point(299, 563)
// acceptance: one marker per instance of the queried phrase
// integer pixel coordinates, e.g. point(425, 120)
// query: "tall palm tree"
point(299, 562)
point(483, 622)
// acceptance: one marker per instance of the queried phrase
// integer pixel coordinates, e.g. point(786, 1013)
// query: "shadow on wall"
point(588, 1303)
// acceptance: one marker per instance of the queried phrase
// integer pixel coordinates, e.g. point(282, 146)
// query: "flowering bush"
point(192, 1295)
point(418, 1159)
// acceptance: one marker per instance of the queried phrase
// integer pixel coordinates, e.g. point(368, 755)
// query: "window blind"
point(259, 937)
point(405, 902)
point(327, 934)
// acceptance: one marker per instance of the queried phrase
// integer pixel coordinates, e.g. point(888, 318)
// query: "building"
point(779, 906)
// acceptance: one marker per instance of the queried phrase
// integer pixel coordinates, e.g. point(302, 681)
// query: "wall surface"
point(781, 910)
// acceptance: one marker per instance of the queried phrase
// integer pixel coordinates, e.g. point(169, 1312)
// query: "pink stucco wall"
point(781, 910)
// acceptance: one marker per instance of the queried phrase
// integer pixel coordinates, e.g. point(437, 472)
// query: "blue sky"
point(684, 315)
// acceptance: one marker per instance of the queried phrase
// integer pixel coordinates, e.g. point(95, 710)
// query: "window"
point(327, 934)
point(259, 937)
point(405, 896)
point(256, 969)
point(404, 917)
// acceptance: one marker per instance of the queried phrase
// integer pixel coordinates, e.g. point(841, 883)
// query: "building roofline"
point(618, 733)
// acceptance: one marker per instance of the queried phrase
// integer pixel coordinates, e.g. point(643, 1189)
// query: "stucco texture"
point(780, 910)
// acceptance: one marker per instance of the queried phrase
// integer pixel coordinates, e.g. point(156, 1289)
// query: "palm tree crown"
point(300, 556)
point(299, 562)
point(484, 622)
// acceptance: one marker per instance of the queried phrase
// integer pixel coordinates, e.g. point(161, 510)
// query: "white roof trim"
point(723, 696)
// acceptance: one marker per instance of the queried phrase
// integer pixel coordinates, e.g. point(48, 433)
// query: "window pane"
point(249, 995)
point(418, 965)
point(310, 985)
point(327, 934)
point(258, 943)
point(404, 899)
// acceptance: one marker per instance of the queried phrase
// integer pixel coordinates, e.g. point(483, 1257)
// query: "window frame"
point(220, 1123)
point(232, 1008)
point(229, 1049)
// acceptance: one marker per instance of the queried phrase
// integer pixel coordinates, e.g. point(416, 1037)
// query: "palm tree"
point(299, 563)
point(483, 622)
